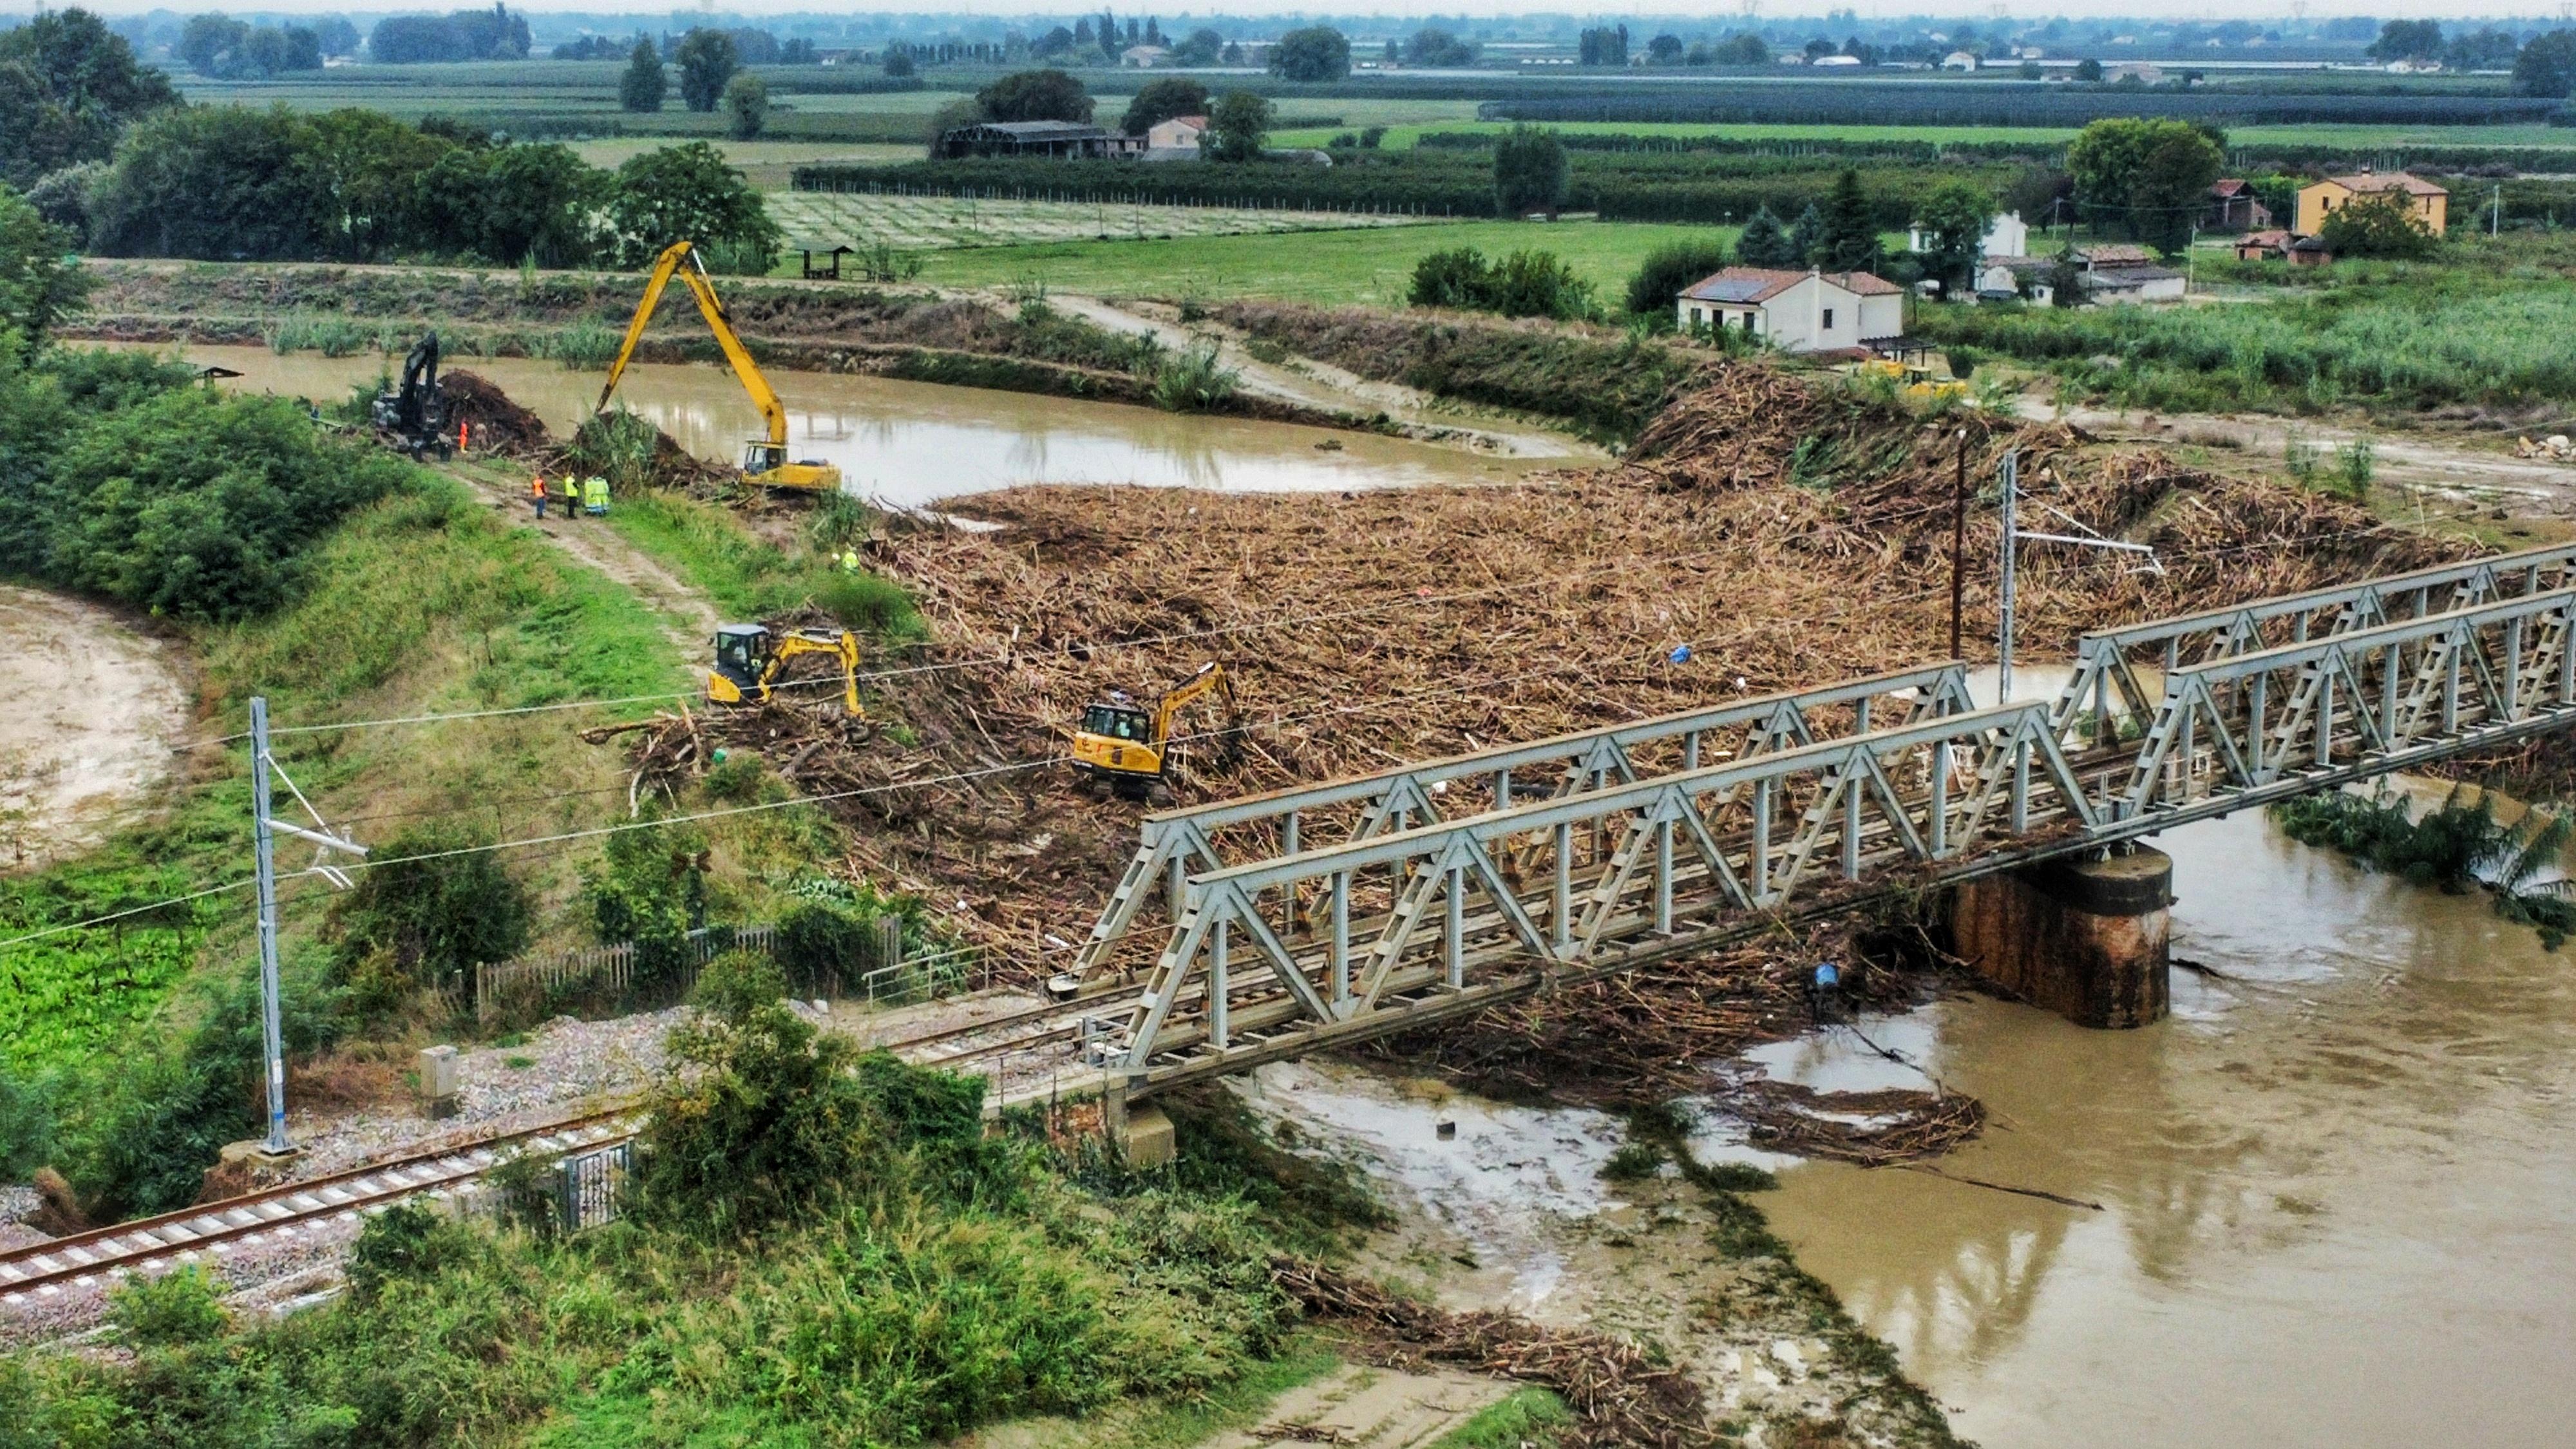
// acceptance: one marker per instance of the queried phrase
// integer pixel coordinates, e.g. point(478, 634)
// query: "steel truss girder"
point(1178, 843)
point(2106, 683)
point(2445, 679)
point(1655, 858)
point(1462, 914)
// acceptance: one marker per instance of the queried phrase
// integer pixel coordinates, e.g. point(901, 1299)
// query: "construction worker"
point(537, 495)
point(571, 496)
point(849, 560)
point(594, 496)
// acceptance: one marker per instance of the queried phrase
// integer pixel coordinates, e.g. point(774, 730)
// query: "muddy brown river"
point(2337, 1190)
point(908, 443)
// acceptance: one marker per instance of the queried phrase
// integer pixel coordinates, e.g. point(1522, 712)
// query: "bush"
point(179, 1307)
point(436, 907)
point(868, 604)
point(1524, 284)
point(179, 500)
point(1666, 270)
point(650, 887)
point(819, 938)
point(26, 1126)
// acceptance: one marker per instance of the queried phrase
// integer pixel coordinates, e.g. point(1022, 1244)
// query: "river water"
point(2337, 1188)
point(908, 443)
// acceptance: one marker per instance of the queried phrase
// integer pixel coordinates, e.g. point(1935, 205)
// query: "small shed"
point(830, 251)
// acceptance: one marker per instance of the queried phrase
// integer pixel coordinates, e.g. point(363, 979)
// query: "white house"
point(2006, 236)
point(1834, 60)
point(1959, 60)
point(1810, 311)
point(2001, 279)
point(1180, 133)
point(1144, 57)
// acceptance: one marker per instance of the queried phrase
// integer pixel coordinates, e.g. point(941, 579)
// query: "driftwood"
point(1619, 1395)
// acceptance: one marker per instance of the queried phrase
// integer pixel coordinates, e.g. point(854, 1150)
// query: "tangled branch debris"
point(494, 423)
point(1618, 1394)
point(1872, 1129)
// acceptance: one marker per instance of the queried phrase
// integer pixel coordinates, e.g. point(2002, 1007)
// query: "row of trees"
point(68, 88)
point(493, 34)
point(224, 48)
point(220, 182)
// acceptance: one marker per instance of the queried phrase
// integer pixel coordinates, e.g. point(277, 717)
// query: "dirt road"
point(94, 709)
point(2445, 469)
point(1314, 384)
point(688, 619)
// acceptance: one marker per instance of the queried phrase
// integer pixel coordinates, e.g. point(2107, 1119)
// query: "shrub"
point(1192, 381)
point(650, 888)
point(1458, 277)
point(179, 1307)
point(2379, 226)
point(26, 1126)
point(868, 604)
point(1666, 270)
point(436, 906)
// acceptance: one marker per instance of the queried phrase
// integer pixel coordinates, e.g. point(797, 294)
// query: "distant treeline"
point(1956, 103)
point(2471, 161)
point(1623, 186)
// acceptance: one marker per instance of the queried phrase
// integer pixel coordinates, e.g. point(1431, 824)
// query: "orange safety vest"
point(537, 487)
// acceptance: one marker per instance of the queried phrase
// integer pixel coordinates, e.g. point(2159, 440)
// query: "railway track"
point(203, 1234)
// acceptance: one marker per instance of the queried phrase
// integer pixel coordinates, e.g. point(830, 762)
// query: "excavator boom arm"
point(745, 370)
point(1211, 676)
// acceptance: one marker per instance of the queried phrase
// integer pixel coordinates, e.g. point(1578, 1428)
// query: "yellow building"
point(2427, 203)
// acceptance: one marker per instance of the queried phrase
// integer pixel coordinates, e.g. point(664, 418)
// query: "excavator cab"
point(415, 413)
point(1128, 747)
point(751, 657)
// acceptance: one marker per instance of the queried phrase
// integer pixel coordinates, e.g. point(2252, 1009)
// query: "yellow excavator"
point(751, 657)
point(1128, 746)
point(764, 460)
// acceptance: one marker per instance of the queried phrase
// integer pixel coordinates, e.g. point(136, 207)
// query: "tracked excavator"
point(764, 460)
point(750, 658)
point(414, 414)
point(1128, 747)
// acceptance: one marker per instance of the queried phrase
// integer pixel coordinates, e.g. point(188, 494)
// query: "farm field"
point(766, 164)
point(1371, 266)
point(1403, 136)
point(922, 222)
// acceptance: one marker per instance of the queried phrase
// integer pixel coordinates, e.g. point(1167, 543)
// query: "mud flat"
point(94, 709)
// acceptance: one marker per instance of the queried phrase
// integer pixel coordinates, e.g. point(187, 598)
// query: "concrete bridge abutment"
point(2088, 939)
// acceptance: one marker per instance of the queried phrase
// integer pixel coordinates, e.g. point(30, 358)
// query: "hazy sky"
point(1712, 13)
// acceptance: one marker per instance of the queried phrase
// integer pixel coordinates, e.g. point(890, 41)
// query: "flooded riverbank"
point(906, 444)
point(2331, 1201)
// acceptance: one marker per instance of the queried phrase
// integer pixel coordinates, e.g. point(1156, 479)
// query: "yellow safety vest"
point(594, 493)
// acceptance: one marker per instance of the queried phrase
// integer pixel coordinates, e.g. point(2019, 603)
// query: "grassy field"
point(1359, 266)
point(914, 222)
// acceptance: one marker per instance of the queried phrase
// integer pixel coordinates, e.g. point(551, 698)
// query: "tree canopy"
point(1850, 239)
point(2149, 178)
point(1239, 126)
point(707, 61)
point(2547, 66)
point(643, 85)
point(1530, 172)
point(690, 193)
point(1765, 243)
point(1160, 100)
point(69, 87)
point(493, 34)
point(1316, 53)
point(1035, 95)
point(1954, 216)
point(2378, 226)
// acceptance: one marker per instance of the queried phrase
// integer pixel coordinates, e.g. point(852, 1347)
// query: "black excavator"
point(414, 415)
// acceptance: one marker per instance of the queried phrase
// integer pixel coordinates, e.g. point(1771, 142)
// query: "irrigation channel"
point(908, 443)
point(2336, 1200)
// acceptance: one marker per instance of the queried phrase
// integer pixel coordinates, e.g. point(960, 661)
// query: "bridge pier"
point(2087, 939)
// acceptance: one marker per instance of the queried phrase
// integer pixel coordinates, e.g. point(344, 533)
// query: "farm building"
point(2233, 207)
point(1180, 133)
point(2427, 205)
point(1068, 139)
point(2132, 284)
point(2263, 246)
point(1810, 311)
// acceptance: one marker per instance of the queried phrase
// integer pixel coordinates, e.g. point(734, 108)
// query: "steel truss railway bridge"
point(1265, 928)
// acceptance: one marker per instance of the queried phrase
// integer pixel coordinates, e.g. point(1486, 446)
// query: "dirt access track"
point(94, 708)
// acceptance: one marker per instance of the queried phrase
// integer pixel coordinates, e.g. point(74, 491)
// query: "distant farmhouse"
point(2427, 205)
point(1810, 311)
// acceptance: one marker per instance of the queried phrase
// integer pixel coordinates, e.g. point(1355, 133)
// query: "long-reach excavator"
point(764, 460)
point(750, 658)
point(1129, 747)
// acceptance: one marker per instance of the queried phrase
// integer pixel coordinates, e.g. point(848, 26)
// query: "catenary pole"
point(265, 842)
